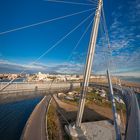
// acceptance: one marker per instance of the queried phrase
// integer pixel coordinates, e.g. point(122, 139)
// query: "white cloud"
point(124, 44)
point(7, 66)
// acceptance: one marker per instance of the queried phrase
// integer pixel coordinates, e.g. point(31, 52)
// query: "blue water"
point(131, 79)
point(16, 80)
point(13, 117)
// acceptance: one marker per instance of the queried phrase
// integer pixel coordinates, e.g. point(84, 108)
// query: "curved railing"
point(132, 131)
point(133, 115)
point(35, 128)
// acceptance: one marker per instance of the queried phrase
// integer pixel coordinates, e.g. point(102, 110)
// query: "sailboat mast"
point(89, 61)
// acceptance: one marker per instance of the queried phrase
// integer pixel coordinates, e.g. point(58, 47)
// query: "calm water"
point(13, 117)
point(131, 79)
point(16, 80)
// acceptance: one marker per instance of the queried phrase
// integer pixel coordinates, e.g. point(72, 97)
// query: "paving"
point(99, 130)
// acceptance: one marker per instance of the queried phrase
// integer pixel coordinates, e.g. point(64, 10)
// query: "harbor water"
point(13, 117)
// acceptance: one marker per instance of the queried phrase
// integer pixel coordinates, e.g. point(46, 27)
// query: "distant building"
point(40, 76)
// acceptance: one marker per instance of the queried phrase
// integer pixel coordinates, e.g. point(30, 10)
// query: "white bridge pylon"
point(89, 61)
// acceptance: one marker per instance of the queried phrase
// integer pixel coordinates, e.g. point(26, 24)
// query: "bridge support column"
point(89, 64)
point(78, 127)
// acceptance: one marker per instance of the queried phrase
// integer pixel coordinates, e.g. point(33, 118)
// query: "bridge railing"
point(36, 127)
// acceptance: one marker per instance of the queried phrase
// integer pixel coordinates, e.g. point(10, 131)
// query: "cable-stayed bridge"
point(128, 96)
point(33, 90)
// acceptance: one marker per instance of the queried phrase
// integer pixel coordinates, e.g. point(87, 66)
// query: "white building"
point(41, 76)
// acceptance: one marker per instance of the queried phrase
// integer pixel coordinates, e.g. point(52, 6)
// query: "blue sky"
point(18, 49)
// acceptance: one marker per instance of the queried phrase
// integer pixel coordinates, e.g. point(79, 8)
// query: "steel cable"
point(46, 52)
point(44, 22)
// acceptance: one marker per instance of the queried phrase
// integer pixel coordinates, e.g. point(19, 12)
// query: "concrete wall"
point(26, 91)
point(36, 86)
